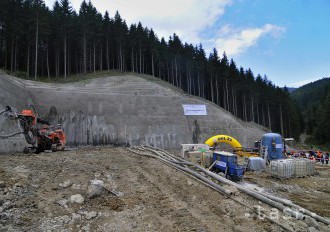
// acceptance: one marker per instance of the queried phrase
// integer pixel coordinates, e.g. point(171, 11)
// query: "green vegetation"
point(72, 78)
point(61, 45)
point(314, 102)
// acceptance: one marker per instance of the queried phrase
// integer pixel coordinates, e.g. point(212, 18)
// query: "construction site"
point(133, 153)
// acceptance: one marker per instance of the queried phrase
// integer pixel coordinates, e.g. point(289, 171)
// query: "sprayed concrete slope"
point(124, 110)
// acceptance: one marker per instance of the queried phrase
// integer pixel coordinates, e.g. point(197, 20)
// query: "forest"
point(38, 42)
point(313, 100)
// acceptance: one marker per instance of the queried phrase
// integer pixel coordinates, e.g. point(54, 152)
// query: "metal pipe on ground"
point(164, 151)
point(264, 215)
point(276, 199)
point(200, 177)
point(252, 193)
point(168, 162)
point(273, 198)
point(305, 211)
point(152, 156)
point(164, 155)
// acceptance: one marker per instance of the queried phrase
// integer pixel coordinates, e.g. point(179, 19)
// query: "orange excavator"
point(38, 133)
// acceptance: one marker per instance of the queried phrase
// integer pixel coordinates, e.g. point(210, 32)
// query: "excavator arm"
point(27, 120)
point(37, 132)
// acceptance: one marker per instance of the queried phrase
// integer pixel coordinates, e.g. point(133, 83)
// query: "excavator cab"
point(29, 116)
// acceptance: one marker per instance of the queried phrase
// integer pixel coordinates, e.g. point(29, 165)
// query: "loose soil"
point(142, 195)
point(312, 193)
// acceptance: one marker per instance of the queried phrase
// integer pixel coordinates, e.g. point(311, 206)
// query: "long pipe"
point(305, 211)
point(252, 193)
point(211, 183)
point(162, 154)
point(273, 198)
point(177, 167)
point(143, 153)
point(283, 201)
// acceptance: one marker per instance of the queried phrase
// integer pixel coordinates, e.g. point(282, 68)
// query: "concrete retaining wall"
point(123, 110)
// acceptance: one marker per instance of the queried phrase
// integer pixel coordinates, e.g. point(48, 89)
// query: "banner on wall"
point(194, 109)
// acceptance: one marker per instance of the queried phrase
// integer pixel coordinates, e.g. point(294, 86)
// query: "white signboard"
point(194, 109)
point(279, 145)
point(221, 163)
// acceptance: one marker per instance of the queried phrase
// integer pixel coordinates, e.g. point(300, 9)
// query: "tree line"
point(55, 42)
point(313, 100)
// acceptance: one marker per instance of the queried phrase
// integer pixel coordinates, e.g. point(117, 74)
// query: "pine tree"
point(60, 42)
point(65, 17)
point(322, 131)
point(107, 30)
point(120, 33)
point(152, 47)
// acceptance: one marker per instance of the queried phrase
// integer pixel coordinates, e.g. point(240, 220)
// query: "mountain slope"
point(291, 89)
point(126, 110)
point(313, 100)
point(312, 93)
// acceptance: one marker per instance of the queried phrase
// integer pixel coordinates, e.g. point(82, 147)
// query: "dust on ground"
point(50, 192)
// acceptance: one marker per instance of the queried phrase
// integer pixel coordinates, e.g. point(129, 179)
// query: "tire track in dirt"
point(155, 197)
point(189, 201)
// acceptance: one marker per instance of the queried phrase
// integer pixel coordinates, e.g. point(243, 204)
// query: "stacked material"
point(300, 167)
point(288, 168)
point(203, 158)
point(192, 147)
point(282, 169)
point(216, 182)
point(304, 167)
point(310, 167)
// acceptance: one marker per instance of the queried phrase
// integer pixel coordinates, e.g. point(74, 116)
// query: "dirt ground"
point(312, 193)
point(41, 193)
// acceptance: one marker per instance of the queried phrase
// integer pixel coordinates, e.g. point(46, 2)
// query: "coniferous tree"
point(60, 41)
point(65, 18)
point(120, 33)
point(322, 133)
point(106, 29)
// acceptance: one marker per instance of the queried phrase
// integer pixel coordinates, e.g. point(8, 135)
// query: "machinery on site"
point(217, 161)
point(38, 133)
point(237, 147)
point(226, 163)
point(268, 151)
point(207, 155)
point(271, 147)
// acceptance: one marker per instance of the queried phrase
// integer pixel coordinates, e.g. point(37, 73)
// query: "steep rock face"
point(13, 93)
point(123, 110)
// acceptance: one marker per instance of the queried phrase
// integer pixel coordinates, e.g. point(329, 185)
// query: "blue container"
point(227, 163)
point(274, 145)
point(235, 171)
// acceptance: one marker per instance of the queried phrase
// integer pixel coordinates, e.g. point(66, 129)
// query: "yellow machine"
point(238, 149)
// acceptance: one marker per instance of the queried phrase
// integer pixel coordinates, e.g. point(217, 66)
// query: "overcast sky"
point(287, 40)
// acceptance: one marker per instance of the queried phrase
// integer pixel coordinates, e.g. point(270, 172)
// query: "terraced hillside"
point(123, 110)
